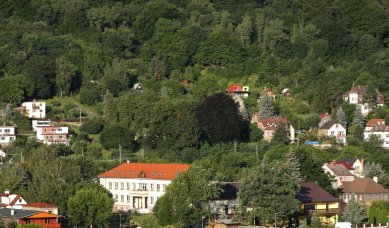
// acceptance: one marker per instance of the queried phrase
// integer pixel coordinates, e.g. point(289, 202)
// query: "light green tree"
point(91, 205)
point(341, 117)
point(358, 117)
point(244, 30)
point(65, 71)
point(266, 108)
point(355, 212)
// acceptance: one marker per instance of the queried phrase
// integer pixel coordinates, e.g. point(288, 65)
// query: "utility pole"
point(80, 116)
point(256, 151)
point(120, 154)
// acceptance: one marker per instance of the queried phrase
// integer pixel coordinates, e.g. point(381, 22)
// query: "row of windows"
point(140, 186)
point(10, 138)
point(5, 130)
point(128, 198)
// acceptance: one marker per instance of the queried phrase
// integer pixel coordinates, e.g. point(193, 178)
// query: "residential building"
point(324, 117)
point(53, 134)
point(138, 186)
point(287, 93)
point(39, 206)
point(242, 91)
point(269, 92)
point(333, 129)
point(340, 173)
point(34, 109)
point(40, 123)
point(138, 87)
point(356, 96)
point(354, 165)
point(314, 200)
point(7, 135)
point(225, 204)
point(365, 190)
point(379, 128)
point(269, 127)
point(22, 217)
point(8, 200)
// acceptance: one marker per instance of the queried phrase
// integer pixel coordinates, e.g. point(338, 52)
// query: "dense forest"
point(94, 55)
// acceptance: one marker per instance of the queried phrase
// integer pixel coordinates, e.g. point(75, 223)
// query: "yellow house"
point(314, 200)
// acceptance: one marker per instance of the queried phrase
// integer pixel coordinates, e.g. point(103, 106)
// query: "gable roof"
point(324, 115)
point(18, 213)
point(146, 170)
point(40, 205)
point(273, 122)
point(310, 192)
point(328, 124)
point(345, 164)
point(350, 161)
point(376, 121)
point(363, 185)
point(338, 169)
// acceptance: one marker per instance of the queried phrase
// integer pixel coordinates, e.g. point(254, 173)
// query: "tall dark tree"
point(220, 119)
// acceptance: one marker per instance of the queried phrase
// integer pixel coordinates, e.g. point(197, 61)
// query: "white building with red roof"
point(356, 96)
point(138, 186)
point(269, 127)
point(8, 200)
point(53, 134)
point(242, 91)
point(379, 128)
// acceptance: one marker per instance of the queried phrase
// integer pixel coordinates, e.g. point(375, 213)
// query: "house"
point(379, 128)
point(324, 117)
point(138, 186)
point(242, 91)
point(40, 206)
point(269, 127)
point(223, 207)
point(340, 173)
point(354, 165)
point(356, 96)
point(365, 190)
point(185, 82)
point(7, 135)
point(22, 217)
point(269, 92)
point(138, 87)
point(287, 93)
point(53, 135)
point(34, 109)
point(315, 200)
point(333, 129)
point(40, 123)
point(8, 200)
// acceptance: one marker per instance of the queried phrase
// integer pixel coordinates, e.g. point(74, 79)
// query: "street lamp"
point(275, 220)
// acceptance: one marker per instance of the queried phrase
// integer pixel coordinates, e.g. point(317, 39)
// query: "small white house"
point(53, 134)
point(379, 128)
point(9, 200)
point(40, 123)
point(7, 135)
point(34, 109)
point(333, 129)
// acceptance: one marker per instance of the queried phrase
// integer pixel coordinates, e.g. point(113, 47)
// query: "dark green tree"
point(341, 117)
point(281, 135)
point(115, 135)
point(358, 119)
point(266, 108)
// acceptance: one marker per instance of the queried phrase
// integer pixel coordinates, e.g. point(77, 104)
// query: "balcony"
point(322, 211)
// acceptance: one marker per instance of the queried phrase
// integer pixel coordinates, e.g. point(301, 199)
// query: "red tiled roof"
point(324, 115)
point(374, 122)
point(40, 205)
point(146, 170)
point(273, 122)
point(347, 165)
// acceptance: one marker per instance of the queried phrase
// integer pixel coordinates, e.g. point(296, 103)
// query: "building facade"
point(53, 134)
point(364, 190)
point(34, 109)
point(138, 186)
point(333, 129)
point(242, 91)
point(7, 135)
point(269, 127)
point(356, 96)
point(380, 129)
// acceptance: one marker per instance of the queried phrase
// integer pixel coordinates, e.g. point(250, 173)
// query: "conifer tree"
point(355, 212)
point(266, 108)
point(358, 118)
point(341, 117)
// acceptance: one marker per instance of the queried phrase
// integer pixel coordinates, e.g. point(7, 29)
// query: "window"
point(133, 186)
point(164, 187)
point(116, 198)
point(332, 132)
point(128, 198)
point(2, 138)
point(128, 186)
point(151, 199)
point(152, 187)
point(7, 130)
point(121, 185)
point(121, 198)
point(158, 187)
point(142, 186)
point(109, 185)
point(116, 185)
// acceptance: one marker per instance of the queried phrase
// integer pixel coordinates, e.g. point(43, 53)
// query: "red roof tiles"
point(146, 170)
point(374, 122)
point(40, 205)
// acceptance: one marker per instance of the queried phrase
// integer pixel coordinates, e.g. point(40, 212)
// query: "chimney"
point(375, 179)
point(7, 192)
point(333, 162)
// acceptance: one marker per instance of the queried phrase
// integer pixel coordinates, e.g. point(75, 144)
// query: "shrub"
point(115, 135)
point(92, 126)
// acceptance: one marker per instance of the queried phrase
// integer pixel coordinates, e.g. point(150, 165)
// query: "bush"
point(89, 95)
point(92, 126)
point(115, 135)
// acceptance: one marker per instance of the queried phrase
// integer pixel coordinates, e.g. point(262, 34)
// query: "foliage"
point(372, 170)
point(115, 135)
point(358, 119)
point(92, 126)
point(266, 108)
point(355, 212)
point(378, 212)
point(281, 135)
point(256, 134)
point(341, 117)
point(219, 117)
point(91, 205)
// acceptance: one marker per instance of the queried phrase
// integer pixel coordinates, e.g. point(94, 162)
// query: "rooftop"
point(310, 192)
point(363, 185)
point(146, 170)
